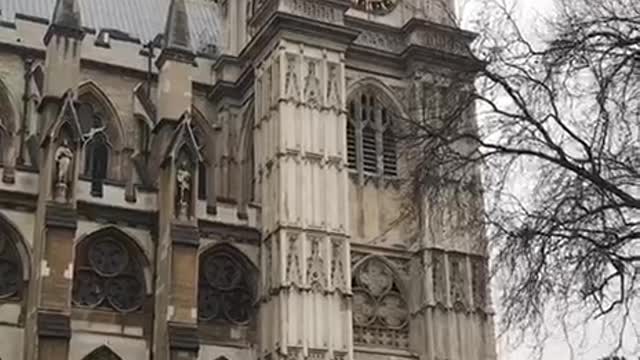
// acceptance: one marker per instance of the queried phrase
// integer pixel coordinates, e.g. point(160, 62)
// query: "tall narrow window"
point(97, 162)
point(143, 138)
point(371, 141)
point(202, 181)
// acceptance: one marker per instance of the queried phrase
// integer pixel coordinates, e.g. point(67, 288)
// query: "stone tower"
point(196, 179)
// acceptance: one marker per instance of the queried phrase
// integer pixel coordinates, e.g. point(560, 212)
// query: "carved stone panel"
point(479, 282)
point(439, 278)
point(312, 85)
point(380, 311)
point(458, 281)
point(291, 81)
point(293, 274)
point(334, 95)
point(338, 279)
point(315, 265)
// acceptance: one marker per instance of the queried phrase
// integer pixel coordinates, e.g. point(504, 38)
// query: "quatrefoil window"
point(225, 292)
point(108, 275)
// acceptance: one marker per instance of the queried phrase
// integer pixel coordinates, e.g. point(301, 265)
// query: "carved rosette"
point(380, 311)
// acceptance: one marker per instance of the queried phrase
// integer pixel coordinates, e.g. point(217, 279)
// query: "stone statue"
point(63, 158)
point(183, 181)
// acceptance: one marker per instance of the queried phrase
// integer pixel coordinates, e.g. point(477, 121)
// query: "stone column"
point(301, 161)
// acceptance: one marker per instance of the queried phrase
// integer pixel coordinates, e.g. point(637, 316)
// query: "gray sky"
point(585, 343)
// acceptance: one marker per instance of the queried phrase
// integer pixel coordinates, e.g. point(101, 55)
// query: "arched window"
point(97, 162)
point(371, 143)
point(380, 311)
point(226, 292)
point(108, 273)
point(10, 269)
point(102, 353)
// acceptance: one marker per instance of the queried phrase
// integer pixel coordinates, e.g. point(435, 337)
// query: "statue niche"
point(63, 158)
point(184, 186)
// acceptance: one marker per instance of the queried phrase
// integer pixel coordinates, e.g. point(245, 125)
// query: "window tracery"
point(108, 275)
point(371, 142)
point(10, 269)
point(225, 290)
point(380, 311)
point(96, 144)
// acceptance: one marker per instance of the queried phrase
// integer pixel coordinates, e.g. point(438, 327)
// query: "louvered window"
point(371, 143)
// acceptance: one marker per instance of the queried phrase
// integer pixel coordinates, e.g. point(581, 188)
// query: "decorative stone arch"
point(380, 304)
point(102, 353)
point(13, 248)
point(372, 121)
point(115, 129)
point(383, 91)
point(95, 104)
point(105, 262)
point(228, 297)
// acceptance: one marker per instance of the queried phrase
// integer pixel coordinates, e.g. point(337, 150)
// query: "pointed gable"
point(183, 136)
point(66, 119)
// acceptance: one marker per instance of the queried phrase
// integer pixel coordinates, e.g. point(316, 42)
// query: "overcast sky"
point(587, 343)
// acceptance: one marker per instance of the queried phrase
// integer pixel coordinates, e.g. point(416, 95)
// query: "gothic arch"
point(92, 92)
point(227, 286)
point(380, 88)
point(110, 271)
point(102, 353)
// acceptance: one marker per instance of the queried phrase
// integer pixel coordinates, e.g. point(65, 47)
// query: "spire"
point(66, 20)
point(177, 36)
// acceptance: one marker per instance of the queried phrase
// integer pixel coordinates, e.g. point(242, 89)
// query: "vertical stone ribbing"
point(301, 149)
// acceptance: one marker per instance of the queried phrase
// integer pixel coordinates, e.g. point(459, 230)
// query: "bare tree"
point(557, 143)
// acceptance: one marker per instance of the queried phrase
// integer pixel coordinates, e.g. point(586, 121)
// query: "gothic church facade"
point(198, 179)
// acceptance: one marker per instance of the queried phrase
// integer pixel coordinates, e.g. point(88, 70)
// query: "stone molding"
point(54, 325)
point(185, 235)
point(183, 338)
point(61, 216)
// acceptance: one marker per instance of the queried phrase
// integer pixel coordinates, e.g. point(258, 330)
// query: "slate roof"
point(140, 19)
